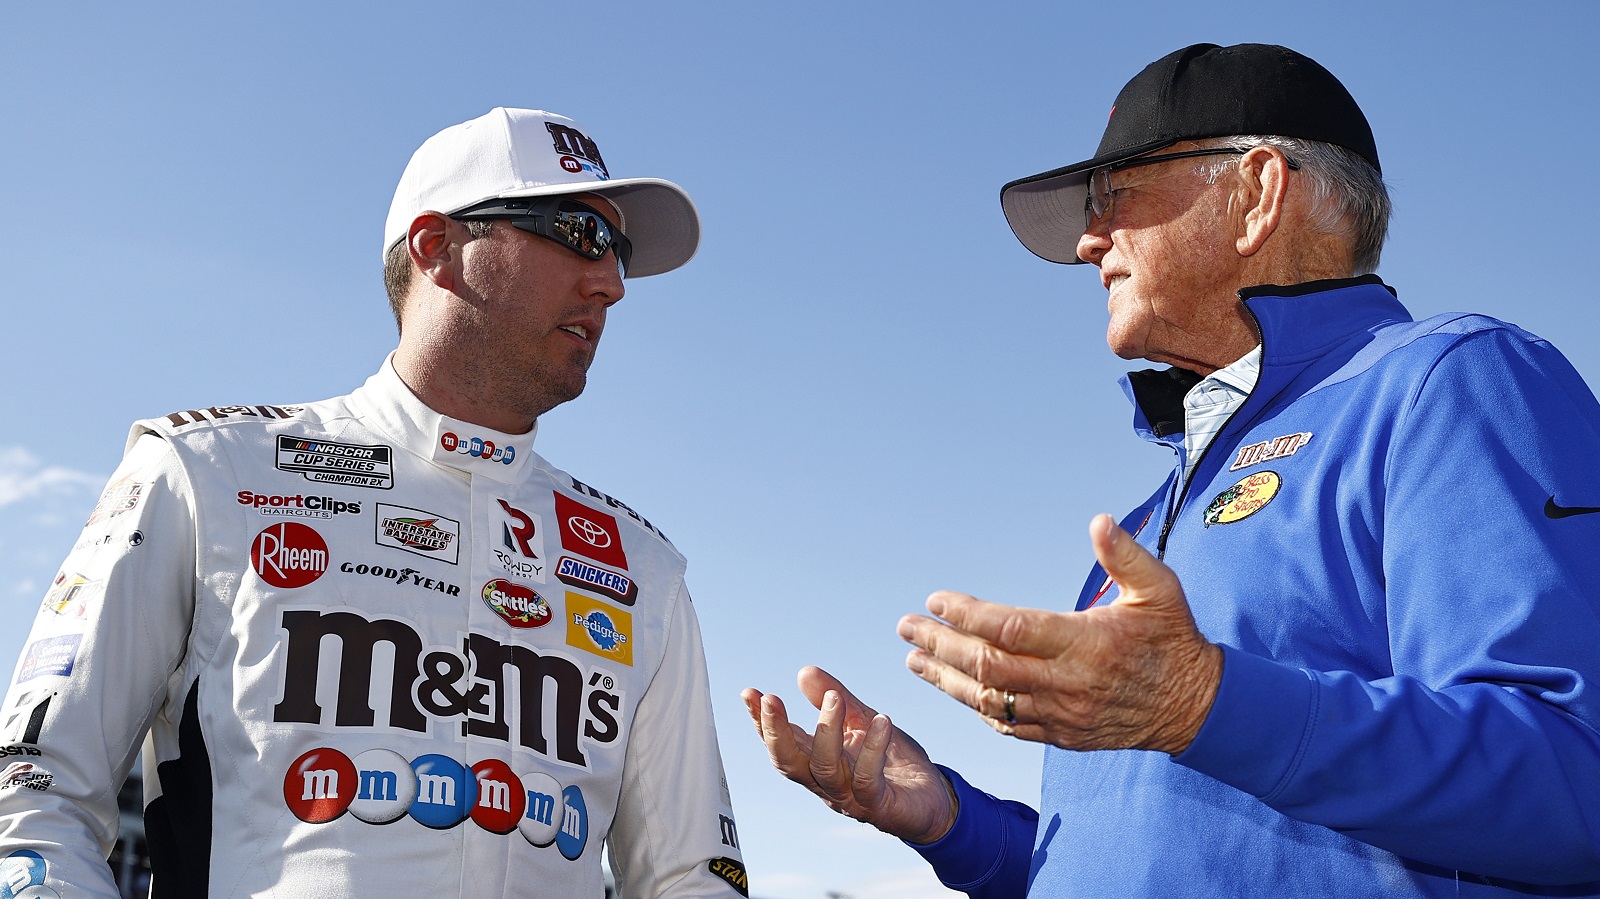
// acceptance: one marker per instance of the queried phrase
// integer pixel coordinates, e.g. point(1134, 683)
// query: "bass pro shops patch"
point(1243, 499)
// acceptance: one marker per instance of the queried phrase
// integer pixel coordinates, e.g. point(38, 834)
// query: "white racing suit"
point(377, 652)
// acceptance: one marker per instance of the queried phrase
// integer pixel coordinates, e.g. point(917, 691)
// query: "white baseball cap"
point(533, 153)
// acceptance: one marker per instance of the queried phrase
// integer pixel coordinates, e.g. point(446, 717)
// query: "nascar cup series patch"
point(1243, 499)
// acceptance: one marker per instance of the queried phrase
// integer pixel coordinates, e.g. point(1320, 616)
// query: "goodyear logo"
point(599, 629)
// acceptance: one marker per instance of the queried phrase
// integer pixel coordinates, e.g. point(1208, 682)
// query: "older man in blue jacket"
point(1351, 647)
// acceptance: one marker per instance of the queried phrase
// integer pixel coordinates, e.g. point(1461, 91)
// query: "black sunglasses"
point(577, 226)
point(1102, 196)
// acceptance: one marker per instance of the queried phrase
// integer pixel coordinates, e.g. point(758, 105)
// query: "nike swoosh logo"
point(1551, 510)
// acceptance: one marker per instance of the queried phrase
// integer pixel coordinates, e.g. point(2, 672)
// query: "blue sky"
point(863, 388)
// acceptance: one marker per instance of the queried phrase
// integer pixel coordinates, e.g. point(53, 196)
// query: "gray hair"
point(397, 269)
point(1348, 196)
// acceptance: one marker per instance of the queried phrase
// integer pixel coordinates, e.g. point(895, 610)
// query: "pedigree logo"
point(289, 555)
point(597, 628)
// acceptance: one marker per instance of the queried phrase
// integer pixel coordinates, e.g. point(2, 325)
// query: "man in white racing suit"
point(375, 645)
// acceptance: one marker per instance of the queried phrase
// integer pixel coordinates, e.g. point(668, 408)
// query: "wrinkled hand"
point(1135, 674)
point(858, 762)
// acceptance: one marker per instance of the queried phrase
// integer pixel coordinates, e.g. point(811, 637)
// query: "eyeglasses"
point(577, 226)
point(1102, 197)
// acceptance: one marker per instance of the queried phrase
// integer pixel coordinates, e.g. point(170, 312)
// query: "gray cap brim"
point(1045, 211)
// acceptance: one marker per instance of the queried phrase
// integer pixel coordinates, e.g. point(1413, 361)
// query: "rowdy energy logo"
point(415, 531)
point(599, 629)
point(588, 532)
point(337, 463)
point(516, 604)
point(521, 551)
point(1243, 499)
point(289, 555)
point(379, 787)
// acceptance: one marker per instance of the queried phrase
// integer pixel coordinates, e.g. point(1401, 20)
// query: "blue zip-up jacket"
point(1396, 542)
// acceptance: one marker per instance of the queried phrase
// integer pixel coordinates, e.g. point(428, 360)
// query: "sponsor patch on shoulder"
point(224, 413)
point(119, 497)
point(732, 872)
point(50, 657)
point(1243, 499)
point(70, 595)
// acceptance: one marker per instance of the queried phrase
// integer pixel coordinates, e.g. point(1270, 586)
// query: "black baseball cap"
point(1198, 92)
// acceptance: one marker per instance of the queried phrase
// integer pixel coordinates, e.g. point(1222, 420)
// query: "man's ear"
point(1263, 188)
point(434, 250)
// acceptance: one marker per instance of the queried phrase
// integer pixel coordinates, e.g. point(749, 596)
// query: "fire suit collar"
point(391, 406)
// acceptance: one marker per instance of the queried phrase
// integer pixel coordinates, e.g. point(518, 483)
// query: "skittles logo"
point(516, 604)
point(1243, 499)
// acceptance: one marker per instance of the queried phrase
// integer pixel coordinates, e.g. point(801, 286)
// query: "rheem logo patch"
point(289, 555)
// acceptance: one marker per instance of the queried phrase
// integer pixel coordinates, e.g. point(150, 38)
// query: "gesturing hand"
point(1136, 674)
point(858, 762)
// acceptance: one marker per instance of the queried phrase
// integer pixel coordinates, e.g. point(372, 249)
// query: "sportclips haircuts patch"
point(1243, 499)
